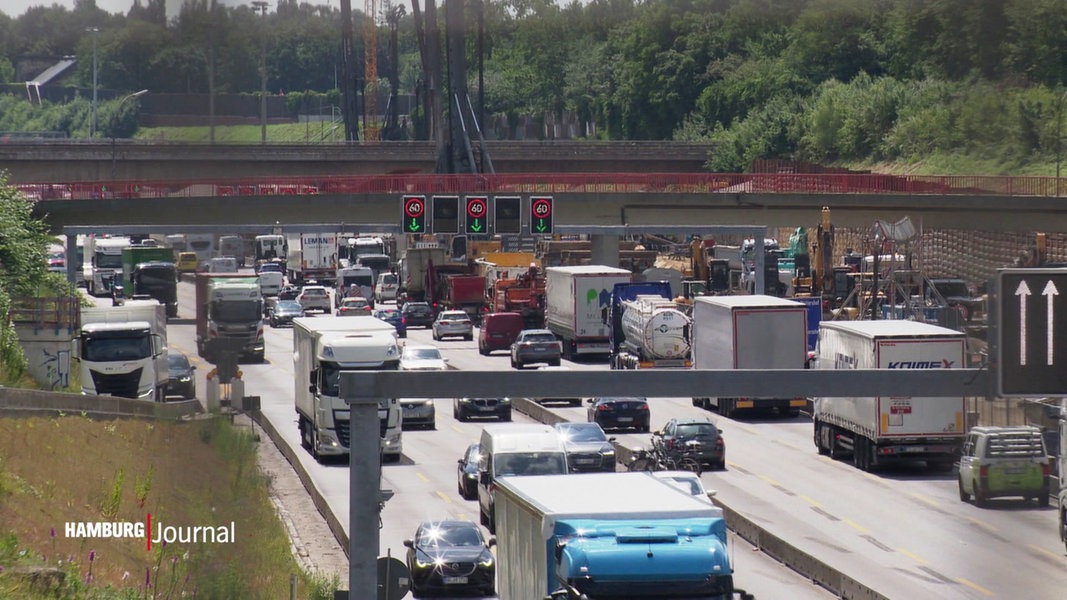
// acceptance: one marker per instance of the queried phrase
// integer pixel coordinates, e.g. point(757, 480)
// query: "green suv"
point(1004, 461)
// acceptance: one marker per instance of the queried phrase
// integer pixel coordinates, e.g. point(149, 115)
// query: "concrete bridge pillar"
point(604, 250)
point(47, 351)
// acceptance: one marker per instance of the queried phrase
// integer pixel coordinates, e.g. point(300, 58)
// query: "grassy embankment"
point(76, 469)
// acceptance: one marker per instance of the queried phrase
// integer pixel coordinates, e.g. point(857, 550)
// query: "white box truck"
point(608, 535)
point(323, 348)
point(312, 256)
point(122, 350)
point(877, 430)
point(577, 306)
point(750, 332)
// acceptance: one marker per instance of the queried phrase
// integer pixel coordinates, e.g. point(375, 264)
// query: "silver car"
point(452, 323)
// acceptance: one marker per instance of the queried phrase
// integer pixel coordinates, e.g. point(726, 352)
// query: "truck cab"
point(515, 450)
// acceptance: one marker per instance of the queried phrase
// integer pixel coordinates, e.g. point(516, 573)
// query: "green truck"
point(150, 271)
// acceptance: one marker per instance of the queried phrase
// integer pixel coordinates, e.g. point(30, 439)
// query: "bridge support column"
point(70, 258)
point(604, 250)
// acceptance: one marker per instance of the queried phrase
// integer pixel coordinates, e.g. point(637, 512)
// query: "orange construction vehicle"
point(524, 294)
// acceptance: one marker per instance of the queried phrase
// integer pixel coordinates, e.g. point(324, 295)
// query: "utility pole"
point(261, 7)
point(92, 123)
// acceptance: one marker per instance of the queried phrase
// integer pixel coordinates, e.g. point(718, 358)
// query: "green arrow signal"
point(476, 226)
point(414, 226)
point(541, 225)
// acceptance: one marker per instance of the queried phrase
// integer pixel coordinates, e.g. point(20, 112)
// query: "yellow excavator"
point(827, 281)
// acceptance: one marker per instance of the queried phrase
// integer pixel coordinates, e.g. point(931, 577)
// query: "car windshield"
point(314, 292)
point(288, 306)
point(450, 536)
point(176, 360)
point(386, 314)
point(389, 279)
point(454, 316)
point(584, 434)
point(417, 308)
point(421, 354)
point(696, 429)
point(533, 463)
point(355, 303)
point(539, 337)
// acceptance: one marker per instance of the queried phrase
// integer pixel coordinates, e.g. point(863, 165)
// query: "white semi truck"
point(876, 430)
point(102, 266)
point(122, 350)
point(750, 332)
point(323, 348)
point(577, 306)
point(312, 256)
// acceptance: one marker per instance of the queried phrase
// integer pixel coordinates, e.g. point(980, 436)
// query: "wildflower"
point(125, 575)
point(147, 577)
point(53, 532)
point(92, 555)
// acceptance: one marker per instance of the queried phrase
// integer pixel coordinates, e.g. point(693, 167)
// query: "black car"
point(181, 378)
point(418, 314)
point(957, 295)
point(451, 556)
point(465, 408)
point(467, 473)
point(619, 413)
point(588, 449)
point(677, 432)
point(284, 312)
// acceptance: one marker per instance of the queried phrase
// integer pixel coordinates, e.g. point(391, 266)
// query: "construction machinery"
point(524, 294)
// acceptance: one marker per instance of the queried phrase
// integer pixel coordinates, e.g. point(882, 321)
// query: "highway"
point(902, 532)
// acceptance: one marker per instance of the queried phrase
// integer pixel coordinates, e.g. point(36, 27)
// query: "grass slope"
point(76, 469)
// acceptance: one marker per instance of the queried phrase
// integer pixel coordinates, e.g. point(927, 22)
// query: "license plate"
point(540, 349)
point(455, 580)
point(585, 461)
point(625, 419)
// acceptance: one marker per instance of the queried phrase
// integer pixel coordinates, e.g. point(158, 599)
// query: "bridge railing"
point(554, 183)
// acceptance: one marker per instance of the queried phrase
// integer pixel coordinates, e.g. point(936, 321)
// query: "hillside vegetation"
point(183, 474)
point(955, 86)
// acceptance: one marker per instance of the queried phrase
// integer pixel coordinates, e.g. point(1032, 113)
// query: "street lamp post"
point(261, 7)
point(118, 114)
point(92, 123)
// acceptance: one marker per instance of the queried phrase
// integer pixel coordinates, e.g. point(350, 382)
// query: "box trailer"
point(577, 303)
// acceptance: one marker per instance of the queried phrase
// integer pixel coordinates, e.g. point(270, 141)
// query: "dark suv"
point(417, 314)
point(677, 432)
point(958, 295)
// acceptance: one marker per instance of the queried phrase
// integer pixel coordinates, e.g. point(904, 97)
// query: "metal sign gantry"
point(362, 389)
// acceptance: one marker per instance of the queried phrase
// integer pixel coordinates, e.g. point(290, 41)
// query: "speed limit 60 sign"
point(475, 220)
point(541, 215)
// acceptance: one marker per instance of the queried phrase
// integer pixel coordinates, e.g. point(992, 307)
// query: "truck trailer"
point(122, 350)
point(312, 256)
point(750, 332)
point(608, 535)
point(647, 328)
point(877, 430)
point(229, 315)
point(577, 305)
point(323, 348)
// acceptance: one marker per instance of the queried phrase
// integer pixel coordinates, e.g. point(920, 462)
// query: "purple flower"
point(92, 555)
point(147, 577)
point(53, 532)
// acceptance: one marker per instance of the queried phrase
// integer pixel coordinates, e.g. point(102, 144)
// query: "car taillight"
point(604, 407)
point(403, 320)
point(983, 472)
point(643, 407)
point(719, 443)
point(1045, 469)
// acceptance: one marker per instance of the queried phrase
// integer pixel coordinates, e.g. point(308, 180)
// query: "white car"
point(422, 358)
point(453, 323)
point(687, 481)
point(386, 288)
point(314, 297)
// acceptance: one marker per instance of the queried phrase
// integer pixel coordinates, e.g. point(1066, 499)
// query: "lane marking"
point(974, 586)
point(424, 478)
point(913, 556)
point(981, 524)
point(925, 500)
point(443, 496)
point(857, 527)
point(1053, 555)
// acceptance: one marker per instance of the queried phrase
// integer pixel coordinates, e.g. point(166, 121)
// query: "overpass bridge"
point(976, 203)
point(60, 161)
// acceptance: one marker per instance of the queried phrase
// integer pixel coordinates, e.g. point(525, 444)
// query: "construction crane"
point(371, 132)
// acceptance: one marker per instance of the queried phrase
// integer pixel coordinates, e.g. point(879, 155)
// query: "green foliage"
point(112, 501)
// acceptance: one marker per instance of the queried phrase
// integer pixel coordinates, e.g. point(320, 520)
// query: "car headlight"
point(184, 379)
point(486, 561)
point(428, 403)
point(607, 452)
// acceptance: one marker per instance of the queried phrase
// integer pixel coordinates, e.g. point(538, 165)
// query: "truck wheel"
point(1043, 497)
point(820, 437)
point(305, 441)
point(964, 496)
point(980, 499)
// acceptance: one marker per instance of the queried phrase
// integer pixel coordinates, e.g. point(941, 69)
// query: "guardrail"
point(682, 183)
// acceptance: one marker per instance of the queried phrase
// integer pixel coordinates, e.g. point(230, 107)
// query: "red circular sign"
point(413, 207)
point(541, 207)
point(476, 207)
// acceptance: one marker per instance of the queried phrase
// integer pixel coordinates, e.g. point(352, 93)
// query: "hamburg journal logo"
point(151, 533)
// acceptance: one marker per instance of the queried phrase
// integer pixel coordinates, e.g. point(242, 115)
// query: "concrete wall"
point(19, 401)
point(48, 353)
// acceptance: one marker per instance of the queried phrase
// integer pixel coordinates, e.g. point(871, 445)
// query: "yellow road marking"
point(424, 478)
point(457, 429)
point(857, 526)
point(981, 524)
point(443, 496)
point(913, 556)
point(975, 586)
point(768, 480)
point(925, 499)
point(1045, 552)
point(811, 501)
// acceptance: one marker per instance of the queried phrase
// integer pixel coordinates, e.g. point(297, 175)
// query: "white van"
point(270, 282)
point(221, 264)
point(513, 450)
point(386, 287)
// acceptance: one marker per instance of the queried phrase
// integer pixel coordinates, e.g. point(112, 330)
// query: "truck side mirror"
point(312, 376)
point(409, 543)
point(492, 541)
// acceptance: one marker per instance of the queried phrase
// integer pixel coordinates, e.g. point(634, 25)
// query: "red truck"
point(467, 293)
